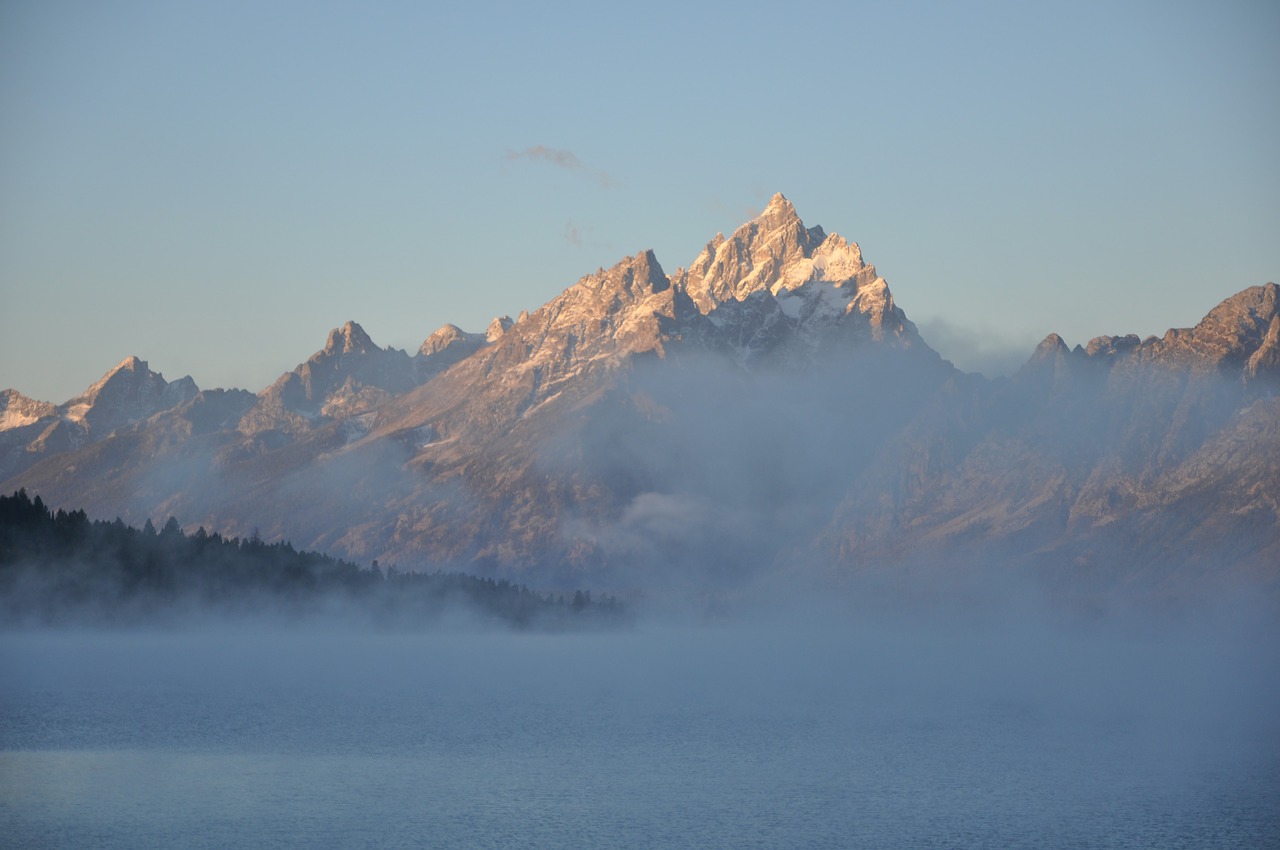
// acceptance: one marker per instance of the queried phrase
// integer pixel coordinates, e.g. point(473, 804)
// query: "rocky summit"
point(767, 409)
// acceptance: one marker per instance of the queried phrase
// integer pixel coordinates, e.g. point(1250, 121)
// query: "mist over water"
point(815, 727)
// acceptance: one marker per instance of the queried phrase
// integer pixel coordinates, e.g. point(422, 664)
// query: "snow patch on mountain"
point(18, 411)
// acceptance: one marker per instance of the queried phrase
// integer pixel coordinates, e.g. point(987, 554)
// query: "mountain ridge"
point(767, 405)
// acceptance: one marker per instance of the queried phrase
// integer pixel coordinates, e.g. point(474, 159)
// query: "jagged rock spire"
point(776, 253)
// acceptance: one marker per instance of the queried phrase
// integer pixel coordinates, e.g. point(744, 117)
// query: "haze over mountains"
point(768, 407)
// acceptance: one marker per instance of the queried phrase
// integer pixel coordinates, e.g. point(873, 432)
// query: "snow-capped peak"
point(776, 253)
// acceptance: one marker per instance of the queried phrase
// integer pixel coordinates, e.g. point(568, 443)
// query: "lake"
point(799, 733)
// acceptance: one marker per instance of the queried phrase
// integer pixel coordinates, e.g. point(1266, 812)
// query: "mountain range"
point(768, 408)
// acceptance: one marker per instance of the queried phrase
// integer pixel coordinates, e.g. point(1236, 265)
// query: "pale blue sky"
point(212, 186)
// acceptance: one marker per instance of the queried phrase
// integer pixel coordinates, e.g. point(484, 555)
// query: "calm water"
point(786, 736)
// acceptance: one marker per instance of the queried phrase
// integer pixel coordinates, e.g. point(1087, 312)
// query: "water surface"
point(831, 735)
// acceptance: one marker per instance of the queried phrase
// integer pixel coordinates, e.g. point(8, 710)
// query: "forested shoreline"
point(61, 568)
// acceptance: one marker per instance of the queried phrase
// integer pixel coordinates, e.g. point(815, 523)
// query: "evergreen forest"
point(61, 568)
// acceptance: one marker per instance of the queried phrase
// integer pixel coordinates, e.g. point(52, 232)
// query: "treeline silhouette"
point(60, 567)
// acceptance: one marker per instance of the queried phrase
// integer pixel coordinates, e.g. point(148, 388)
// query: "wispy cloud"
point(582, 235)
point(572, 234)
point(555, 156)
point(736, 212)
point(562, 159)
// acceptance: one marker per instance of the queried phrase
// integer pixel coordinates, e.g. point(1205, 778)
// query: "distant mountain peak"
point(127, 393)
point(779, 209)
point(350, 375)
point(445, 347)
point(776, 253)
point(130, 367)
point(498, 328)
point(1245, 316)
point(349, 339)
point(635, 277)
point(1243, 329)
point(643, 274)
point(444, 337)
point(1051, 352)
point(780, 217)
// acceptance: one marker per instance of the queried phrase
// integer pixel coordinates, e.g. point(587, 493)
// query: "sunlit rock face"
point(766, 408)
point(813, 277)
point(18, 411)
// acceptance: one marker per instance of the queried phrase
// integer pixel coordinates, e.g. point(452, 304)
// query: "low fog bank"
point(936, 591)
point(1183, 698)
point(810, 657)
point(1106, 481)
point(77, 597)
point(1010, 723)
